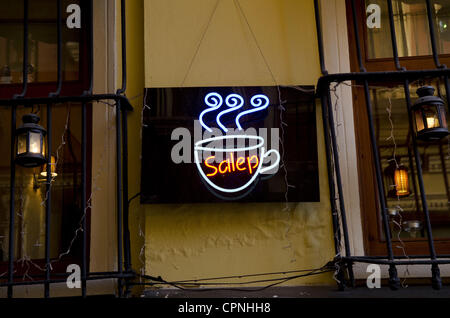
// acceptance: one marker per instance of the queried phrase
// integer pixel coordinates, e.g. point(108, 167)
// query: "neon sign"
point(229, 165)
point(244, 153)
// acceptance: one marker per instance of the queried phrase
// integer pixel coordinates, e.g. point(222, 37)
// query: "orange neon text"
point(229, 165)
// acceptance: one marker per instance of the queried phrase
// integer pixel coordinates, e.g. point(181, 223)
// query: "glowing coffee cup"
point(255, 170)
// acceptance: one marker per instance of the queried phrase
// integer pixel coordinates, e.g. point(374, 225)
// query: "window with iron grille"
point(395, 47)
point(47, 70)
point(390, 114)
point(30, 184)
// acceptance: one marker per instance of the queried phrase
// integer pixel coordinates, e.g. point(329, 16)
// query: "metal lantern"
point(30, 147)
point(401, 181)
point(429, 115)
point(396, 180)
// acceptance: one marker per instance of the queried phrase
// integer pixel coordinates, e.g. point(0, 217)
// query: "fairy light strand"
point(338, 212)
point(398, 208)
point(94, 189)
point(391, 137)
point(141, 233)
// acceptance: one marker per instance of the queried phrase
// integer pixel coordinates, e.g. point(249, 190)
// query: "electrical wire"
point(247, 275)
point(277, 281)
point(200, 43)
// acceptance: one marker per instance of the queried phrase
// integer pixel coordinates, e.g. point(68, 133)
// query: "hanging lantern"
point(396, 180)
point(30, 147)
point(401, 181)
point(52, 167)
point(429, 115)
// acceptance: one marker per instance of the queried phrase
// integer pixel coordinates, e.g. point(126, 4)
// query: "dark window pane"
point(42, 43)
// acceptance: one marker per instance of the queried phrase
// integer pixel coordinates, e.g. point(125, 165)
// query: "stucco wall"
point(209, 240)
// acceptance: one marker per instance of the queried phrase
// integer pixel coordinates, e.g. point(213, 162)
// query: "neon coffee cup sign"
point(233, 162)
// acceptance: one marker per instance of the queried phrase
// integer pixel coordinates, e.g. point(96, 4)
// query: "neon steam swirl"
point(214, 101)
point(260, 102)
point(234, 101)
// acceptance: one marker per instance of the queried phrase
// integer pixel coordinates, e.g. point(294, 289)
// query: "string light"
point(337, 214)
point(402, 245)
point(95, 188)
point(141, 232)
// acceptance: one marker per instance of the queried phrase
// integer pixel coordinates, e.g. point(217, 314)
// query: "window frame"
point(422, 62)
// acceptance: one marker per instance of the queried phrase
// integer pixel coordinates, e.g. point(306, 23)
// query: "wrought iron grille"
point(404, 76)
point(122, 106)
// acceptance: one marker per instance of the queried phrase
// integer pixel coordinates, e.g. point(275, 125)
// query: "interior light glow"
point(432, 122)
point(401, 181)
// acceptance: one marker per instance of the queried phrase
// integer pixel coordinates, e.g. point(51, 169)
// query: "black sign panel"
point(215, 144)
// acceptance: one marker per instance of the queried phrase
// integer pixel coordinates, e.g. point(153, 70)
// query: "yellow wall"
point(211, 240)
point(205, 240)
point(227, 53)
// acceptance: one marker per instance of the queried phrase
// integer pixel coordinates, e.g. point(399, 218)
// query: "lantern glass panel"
point(35, 143)
point(419, 120)
point(442, 115)
point(43, 147)
point(22, 143)
point(431, 116)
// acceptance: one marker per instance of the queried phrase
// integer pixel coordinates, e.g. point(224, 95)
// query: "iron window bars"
point(334, 176)
point(122, 106)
